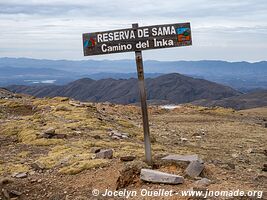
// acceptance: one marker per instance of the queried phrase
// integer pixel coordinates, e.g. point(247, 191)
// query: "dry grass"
point(80, 166)
point(227, 137)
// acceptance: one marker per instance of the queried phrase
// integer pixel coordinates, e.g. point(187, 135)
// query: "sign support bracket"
point(141, 83)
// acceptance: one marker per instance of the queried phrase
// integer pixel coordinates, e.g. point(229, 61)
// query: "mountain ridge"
point(175, 88)
point(243, 76)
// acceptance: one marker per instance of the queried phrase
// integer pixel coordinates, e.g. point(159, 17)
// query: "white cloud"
point(53, 28)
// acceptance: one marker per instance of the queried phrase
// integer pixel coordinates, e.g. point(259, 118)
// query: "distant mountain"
point(203, 67)
point(244, 101)
point(173, 88)
point(242, 76)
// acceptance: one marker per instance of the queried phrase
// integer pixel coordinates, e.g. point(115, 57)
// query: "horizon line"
point(149, 60)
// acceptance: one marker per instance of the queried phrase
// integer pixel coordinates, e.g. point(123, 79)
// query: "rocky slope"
point(50, 148)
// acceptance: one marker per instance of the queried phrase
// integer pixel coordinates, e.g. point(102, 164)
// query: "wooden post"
point(141, 83)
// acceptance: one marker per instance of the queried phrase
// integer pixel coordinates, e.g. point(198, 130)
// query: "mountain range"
point(242, 76)
point(170, 88)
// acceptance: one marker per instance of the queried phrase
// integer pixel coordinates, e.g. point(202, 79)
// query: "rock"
point(64, 161)
point(14, 193)
point(50, 131)
point(97, 137)
point(250, 150)
point(95, 149)
point(105, 154)
point(184, 139)
point(127, 158)
point(117, 135)
point(44, 135)
point(264, 168)
point(264, 124)
point(20, 175)
point(31, 173)
point(204, 182)
point(265, 152)
point(154, 176)
point(124, 136)
point(201, 132)
point(235, 155)
point(231, 165)
point(194, 168)
point(198, 137)
point(114, 137)
point(62, 108)
point(76, 103)
point(37, 166)
point(181, 158)
point(60, 136)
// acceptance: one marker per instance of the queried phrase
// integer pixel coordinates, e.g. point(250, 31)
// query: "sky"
point(231, 30)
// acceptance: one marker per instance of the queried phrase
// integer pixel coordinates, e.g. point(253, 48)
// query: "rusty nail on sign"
point(138, 39)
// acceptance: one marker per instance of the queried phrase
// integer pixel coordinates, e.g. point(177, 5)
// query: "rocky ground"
point(54, 148)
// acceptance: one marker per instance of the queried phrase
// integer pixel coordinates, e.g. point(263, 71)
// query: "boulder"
point(184, 139)
point(37, 166)
point(117, 135)
point(114, 137)
point(105, 154)
point(195, 168)
point(97, 137)
point(154, 176)
point(181, 158)
point(127, 158)
point(50, 131)
point(15, 193)
point(20, 175)
point(95, 149)
point(204, 182)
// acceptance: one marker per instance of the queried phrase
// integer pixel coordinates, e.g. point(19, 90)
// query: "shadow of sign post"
point(138, 39)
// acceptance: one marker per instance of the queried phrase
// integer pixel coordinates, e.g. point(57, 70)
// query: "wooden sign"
point(137, 39)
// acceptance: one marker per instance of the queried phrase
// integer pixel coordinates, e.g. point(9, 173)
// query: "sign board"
point(137, 39)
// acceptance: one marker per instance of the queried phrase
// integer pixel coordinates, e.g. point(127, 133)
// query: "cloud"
point(39, 28)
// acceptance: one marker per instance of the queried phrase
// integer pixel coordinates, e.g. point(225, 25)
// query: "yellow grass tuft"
point(27, 136)
point(12, 168)
point(10, 129)
point(23, 154)
point(65, 155)
point(80, 166)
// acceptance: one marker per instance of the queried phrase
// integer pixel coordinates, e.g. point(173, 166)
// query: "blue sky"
point(222, 29)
